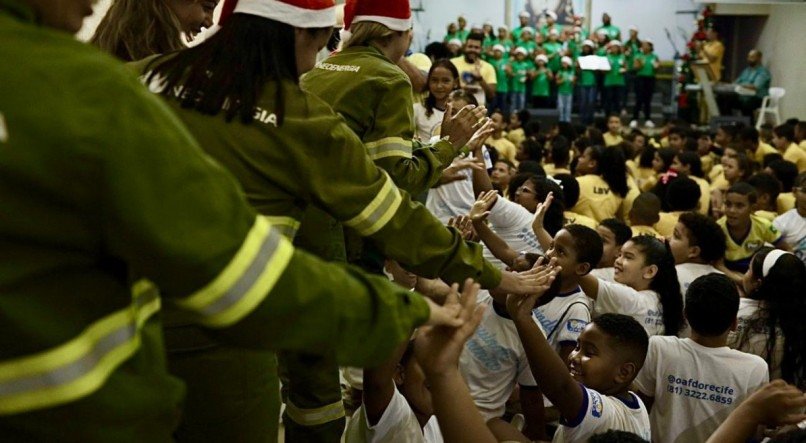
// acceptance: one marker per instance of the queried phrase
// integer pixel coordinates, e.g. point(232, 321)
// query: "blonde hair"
point(362, 33)
point(135, 29)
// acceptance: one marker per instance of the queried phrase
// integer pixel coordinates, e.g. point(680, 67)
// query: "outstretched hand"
point(465, 226)
point(437, 346)
point(777, 403)
point(460, 128)
point(543, 275)
point(481, 208)
point(452, 173)
point(535, 281)
point(480, 136)
point(540, 212)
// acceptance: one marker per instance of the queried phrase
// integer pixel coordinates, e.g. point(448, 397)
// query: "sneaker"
point(649, 124)
point(518, 422)
point(634, 124)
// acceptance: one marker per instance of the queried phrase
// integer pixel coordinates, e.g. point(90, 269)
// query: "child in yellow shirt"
point(645, 213)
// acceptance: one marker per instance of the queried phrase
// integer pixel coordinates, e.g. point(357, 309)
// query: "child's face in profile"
point(630, 266)
point(594, 362)
point(731, 167)
point(737, 209)
point(680, 167)
point(611, 249)
point(679, 244)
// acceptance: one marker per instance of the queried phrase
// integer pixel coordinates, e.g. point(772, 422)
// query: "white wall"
point(784, 51)
point(430, 24)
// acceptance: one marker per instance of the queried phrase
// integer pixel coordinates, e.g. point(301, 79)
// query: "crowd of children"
point(553, 65)
point(674, 263)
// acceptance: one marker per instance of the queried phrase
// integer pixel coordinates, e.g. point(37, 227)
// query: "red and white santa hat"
point(297, 13)
point(394, 14)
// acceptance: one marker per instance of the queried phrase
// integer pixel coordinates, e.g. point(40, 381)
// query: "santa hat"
point(633, 28)
point(297, 13)
point(589, 43)
point(455, 42)
point(542, 57)
point(394, 14)
point(521, 50)
point(614, 43)
point(525, 14)
point(498, 48)
point(527, 30)
point(566, 60)
point(551, 14)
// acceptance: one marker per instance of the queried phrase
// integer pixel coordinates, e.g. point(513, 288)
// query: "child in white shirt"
point(697, 243)
point(695, 383)
point(614, 234)
point(792, 223)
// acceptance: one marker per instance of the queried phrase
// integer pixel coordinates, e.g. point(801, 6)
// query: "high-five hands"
point(521, 305)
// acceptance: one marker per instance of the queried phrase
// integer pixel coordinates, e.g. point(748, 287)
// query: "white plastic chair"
point(769, 105)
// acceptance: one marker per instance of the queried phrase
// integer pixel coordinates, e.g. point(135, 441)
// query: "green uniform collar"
point(369, 49)
point(18, 9)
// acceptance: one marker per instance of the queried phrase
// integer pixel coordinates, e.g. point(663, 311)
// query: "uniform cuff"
point(490, 276)
point(444, 152)
point(420, 312)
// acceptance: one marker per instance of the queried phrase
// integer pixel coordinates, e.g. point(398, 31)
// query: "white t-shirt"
point(601, 413)
point(695, 387)
point(756, 342)
point(688, 272)
point(793, 231)
point(564, 317)
point(398, 423)
point(644, 306)
point(427, 127)
point(606, 274)
point(513, 223)
point(492, 361)
point(455, 198)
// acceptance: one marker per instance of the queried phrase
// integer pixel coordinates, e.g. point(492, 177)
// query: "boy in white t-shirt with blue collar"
point(591, 391)
point(693, 384)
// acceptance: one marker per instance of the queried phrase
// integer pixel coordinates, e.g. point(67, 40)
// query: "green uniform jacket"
point(313, 157)
point(100, 182)
point(375, 98)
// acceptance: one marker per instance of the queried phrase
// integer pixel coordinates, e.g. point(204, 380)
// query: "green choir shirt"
point(567, 86)
point(502, 86)
point(520, 72)
point(614, 77)
point(541, 84)
point(648, 67)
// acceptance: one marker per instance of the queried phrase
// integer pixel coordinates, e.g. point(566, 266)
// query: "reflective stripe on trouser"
point(314, 409)
point(80, 366)
point(246, 280)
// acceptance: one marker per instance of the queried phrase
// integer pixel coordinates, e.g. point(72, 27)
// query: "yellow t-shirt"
point(705, 194)
point(551, 170)
point(715, 50)
point(596, 200)
point(740, 251)
point(485, 69)
point(716, 171)
point(707, 162)
point(516, 136)
point(768, 215)
point(763, 149)
point(785, 202)
point(668, 220)
point(797, 156)
point(720, 182)
point(504, 147)
point(644, 230)
point(572, 218)
point(803, 144)
point(612, 140)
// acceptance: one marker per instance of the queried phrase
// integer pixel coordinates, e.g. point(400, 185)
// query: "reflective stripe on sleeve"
point(389, 147)
point(246, 280)
point(315, 416)
point(79, 367)
point(288, 226)
point(379, 211)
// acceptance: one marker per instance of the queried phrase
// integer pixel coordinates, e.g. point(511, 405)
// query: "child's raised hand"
point(451, 173)
point(464, 224)
point(542, 275)
point(437, 348)
point(776, 403)
point(481, 208)
point(540, 212)
point(480, 136)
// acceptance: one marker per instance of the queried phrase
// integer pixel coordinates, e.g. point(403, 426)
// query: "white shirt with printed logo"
point(493, 360)
point(643, 306)
point(564, 317)
point(398, 423)
point(688, 272)
point(601, 413)
point(513, 223)
point(695, 387)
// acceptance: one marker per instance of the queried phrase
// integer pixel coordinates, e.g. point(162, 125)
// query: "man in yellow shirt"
point(713, 50)
point(783, 137)
point(749, 139)
point(476, 76)
point(613, 135)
